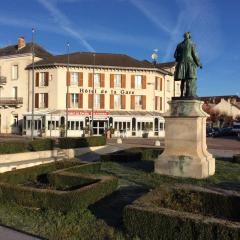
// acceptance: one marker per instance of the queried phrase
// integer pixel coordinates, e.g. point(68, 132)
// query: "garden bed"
point(185, 212)
point(55, 186)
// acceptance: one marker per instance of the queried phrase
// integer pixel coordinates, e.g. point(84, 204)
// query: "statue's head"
point(187, 35)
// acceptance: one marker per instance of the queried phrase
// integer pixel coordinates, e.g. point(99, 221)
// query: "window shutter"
point(68, 78)
point(90, 79)
point(156, 103)
point(161, 82)
point(80, 100)
point(143, 102)
point(36, 100)
point(123, 80)
point(132, 102)
point(133, 81)
point(102, 101)
point(156, 83)
point(37, 79)
point(46, 100)
point(111, 101)
point(144, 81)
point(102, 80)
point(80, 79)
point(123, 101)
point(46, 79)
point(160, 103)
point(90, 101)
point(111, 80)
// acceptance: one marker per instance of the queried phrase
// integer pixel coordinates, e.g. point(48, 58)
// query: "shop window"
point(72, 125)
point(81, 125)
point(128, 125)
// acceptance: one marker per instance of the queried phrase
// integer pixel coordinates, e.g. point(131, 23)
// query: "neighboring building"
point(129, 95)
point(222, 109)
point(15, 93)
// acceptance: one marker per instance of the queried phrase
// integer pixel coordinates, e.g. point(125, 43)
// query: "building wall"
point(7, 110)
point(57, 88)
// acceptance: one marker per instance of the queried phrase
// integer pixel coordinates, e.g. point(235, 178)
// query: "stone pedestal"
point(185, 153)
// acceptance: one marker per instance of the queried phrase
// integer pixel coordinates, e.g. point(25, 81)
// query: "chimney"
point(21, 42)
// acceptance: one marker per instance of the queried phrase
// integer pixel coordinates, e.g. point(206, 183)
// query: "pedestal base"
point(185, 151)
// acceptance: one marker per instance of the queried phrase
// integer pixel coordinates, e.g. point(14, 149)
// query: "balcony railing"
point(3, 80)
point(10, 101)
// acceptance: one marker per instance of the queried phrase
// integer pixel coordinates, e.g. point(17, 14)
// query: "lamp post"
point(93, 92)
point(32, 122)
point(66, 127)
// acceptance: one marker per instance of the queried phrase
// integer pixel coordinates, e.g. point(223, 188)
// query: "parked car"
point(222, 132)
point(209, 132)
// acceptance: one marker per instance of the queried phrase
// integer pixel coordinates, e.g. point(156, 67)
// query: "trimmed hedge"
point(166, 214)
point(18, 147)
point(134, 154)
point(66, 143)
point(88, 188)
point(13, 147)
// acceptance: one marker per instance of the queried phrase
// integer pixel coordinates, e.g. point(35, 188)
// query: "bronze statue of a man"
point(187, 61)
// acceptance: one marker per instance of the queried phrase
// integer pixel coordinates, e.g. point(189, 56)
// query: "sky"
point(135, 28)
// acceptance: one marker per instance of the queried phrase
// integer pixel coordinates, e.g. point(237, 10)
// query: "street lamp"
point(32, 123)
point(93, 92)
point(68, 82)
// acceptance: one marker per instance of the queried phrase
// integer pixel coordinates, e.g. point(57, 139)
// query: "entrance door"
point(99, 127)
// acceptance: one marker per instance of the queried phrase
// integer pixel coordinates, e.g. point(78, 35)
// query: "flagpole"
point(66, 129)
point(32, 123)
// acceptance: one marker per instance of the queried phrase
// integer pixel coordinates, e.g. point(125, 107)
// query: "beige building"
point(116, 90)
point(14, 83)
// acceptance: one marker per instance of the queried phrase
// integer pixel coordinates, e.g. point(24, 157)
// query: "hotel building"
point(115, 90)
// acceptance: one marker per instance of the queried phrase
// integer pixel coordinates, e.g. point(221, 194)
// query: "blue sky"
point(135, 27)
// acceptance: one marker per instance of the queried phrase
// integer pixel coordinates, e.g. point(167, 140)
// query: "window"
point(14, 72)
point(96, 101)
point(41, 100)
point(43, 77)
point(74, 100)
point(168, 85)
point(97, 80)
point(74, 78)
point(117, 81)
point(15, 92)
point(15, 120)
point(138, 82)
point(117, 101)
point(138, 101)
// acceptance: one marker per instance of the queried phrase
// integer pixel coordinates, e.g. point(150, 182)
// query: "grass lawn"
point(103, 220)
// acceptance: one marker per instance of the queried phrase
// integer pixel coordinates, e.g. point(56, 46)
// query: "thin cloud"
point(65, 23)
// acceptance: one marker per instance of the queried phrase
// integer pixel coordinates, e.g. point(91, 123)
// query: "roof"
point(13, 50)
point(217, 99)
point(166, 65)
point(101, 59)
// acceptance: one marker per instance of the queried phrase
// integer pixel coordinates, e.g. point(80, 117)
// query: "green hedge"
point(192, 213)
point(66, 143)
point(134, 154)
point(18, 147)
point(31, 173)
point(82, 189)
point(13, 147)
